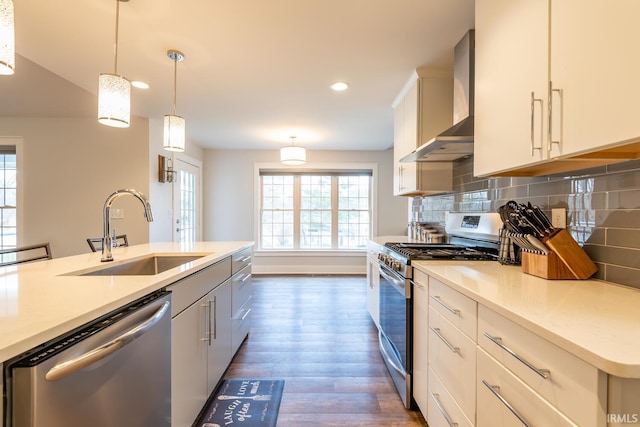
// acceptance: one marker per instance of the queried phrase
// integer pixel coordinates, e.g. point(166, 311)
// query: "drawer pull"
point(544, 373)
point(417, 284)
point(439, 301)
point(444, 340)
point(496, 392)
point(246, 277)
point(446, 416)
point(245, 259)
point(246, 313)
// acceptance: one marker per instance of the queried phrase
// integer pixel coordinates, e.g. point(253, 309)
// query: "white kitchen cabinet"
point(201, 338)
point(219, 352)
point(571, 385)
point(511, 63)
point(570, 57)
point(452, 357)
point(423, 109)
point(189, 360)
point(241, 307)
point(443, 409)
point(505, 401)
point(421, 341)
point(373, 286)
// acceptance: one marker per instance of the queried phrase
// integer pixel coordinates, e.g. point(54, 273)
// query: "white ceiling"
point(255, 72)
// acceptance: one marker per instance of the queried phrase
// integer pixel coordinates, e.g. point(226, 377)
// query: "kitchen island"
point(42, 301)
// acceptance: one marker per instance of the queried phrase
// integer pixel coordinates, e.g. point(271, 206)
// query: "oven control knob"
point(395, 266)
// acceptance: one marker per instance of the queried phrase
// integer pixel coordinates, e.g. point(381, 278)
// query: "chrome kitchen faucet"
point(106, 218)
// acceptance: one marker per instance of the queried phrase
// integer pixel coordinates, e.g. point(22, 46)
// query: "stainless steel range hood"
point(457, 141)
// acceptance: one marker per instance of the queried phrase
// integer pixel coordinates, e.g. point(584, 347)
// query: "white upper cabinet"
point(555, 80)
point(423, 109)
point(596, 65)
point(511, 64)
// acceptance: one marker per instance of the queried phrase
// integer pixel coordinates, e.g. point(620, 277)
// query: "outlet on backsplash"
point(559, 217)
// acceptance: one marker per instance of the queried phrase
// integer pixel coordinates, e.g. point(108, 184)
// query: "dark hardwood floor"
point(316, 334)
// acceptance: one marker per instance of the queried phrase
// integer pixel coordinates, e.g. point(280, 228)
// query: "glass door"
point(187, 201)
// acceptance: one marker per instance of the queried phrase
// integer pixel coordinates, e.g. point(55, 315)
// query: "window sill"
point(310, 253)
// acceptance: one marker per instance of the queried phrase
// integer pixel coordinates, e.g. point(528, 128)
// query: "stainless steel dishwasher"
point(114, 371)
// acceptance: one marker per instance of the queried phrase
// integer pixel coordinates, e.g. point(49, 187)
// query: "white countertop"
point(597, 321)
point(39, 302)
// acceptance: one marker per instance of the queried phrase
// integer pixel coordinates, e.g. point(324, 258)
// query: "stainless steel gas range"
point(472, 237)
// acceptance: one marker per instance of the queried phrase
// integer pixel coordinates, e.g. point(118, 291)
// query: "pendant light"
point(174, 125)
point(7, 38)
point(292, 155)
point(114, 91)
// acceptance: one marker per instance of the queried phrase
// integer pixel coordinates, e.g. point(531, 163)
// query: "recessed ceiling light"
point(339, 86)
point(139, 84)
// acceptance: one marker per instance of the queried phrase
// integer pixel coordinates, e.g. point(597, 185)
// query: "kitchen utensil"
point(538, 244)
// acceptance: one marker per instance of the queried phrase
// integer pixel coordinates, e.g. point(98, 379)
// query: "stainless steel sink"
point(144, 267)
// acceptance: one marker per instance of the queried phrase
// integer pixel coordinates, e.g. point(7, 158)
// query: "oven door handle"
point(394, 280)
point(382, 339)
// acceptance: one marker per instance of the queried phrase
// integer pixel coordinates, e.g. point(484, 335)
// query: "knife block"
point(567, 260)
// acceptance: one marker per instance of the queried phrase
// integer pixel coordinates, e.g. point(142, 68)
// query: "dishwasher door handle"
point(64, 369)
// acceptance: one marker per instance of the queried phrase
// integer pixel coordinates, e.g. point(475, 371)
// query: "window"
point(315, 210)
point(8, 190)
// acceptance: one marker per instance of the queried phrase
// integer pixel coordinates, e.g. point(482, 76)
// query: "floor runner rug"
point(243, 402)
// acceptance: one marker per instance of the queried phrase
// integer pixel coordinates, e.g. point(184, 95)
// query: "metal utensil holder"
point(510, 252)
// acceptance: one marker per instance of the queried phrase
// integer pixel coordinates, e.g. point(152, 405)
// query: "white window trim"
point(257, 166)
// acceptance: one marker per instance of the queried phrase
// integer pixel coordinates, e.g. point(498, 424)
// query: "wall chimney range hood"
point(457, 141)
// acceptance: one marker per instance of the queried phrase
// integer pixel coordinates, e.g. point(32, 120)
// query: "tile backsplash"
point(603, 209)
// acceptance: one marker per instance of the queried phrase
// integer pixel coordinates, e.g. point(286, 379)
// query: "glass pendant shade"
point(114, 100)
point(293, 155)
point(174, 133)
point(7, 38)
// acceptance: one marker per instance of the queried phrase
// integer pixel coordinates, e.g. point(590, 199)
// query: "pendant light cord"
point(175, 83)
point(115, 65)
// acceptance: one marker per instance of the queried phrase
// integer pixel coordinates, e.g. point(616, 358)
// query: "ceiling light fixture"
point(292, 155)
point(7, 38)
point(140, 84)
point(114, 92)
point(340, 86)
point(174, 126)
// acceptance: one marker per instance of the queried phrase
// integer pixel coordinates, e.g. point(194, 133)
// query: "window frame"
point(319, 168)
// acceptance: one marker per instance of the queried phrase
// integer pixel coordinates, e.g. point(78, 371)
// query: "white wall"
point(229, 206)
point(70, 167)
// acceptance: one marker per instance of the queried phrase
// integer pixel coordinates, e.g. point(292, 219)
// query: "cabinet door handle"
point(550, 140)
point(439, 301)
point(447, 418)
point(533, 103)
point(544, 373)
point(496, 392)
point(215, 319)
point(417, 284)
point(444, 340)
point(207, 317)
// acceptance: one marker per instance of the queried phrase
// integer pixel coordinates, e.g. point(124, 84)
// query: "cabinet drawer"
point(188, 290)
point(496, 383)
point(575, 387)
point(443, 410)
point(240, 260)
point(240, 325)
point(452, 356)
point(455, 307)
point(240, 288)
